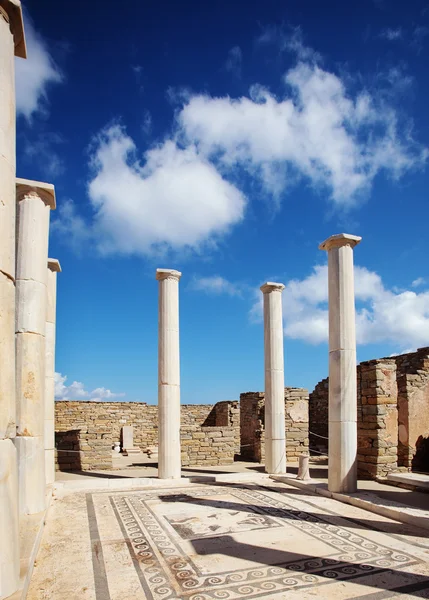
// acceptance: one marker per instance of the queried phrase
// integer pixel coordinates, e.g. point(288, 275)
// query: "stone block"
point(31, 474)
point(9, 519)
point(30, 307)
point(30, 384)
point(7, 355)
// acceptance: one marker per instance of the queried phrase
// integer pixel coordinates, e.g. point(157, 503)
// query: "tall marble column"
point(12, 43)
point(342, 471)
point(275, 439)
point(34, 203)
point(51, 313)
point(169, 462)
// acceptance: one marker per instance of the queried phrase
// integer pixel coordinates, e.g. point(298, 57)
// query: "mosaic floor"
point(207, 542)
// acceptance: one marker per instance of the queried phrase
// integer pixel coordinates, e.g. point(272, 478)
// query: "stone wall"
point(252, 420)
point(393, 414)
point(252, 412)
point(86, 430)
point(207, 446)
point(77, 450)
point(377, 418)
point(318, 417)
point(413, 409)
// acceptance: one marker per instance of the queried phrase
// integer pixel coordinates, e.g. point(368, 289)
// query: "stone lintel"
point(270, 286)
point(340, 239)
point(46, 191)
point(54, 265)
point(168, 274)
point(14, 12)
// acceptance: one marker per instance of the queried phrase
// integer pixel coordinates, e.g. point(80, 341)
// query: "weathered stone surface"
point(203, 427)
point(9, 521)
point(31, 464)
point(30, 383)
point(252, 419)
point(392, 404)
point(7, 357)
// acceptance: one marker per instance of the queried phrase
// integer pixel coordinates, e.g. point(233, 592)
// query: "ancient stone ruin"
point(392, 414)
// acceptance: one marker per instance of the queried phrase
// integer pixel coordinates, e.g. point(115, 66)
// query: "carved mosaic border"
point(168, 573)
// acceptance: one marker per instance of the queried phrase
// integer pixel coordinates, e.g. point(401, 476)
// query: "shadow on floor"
point(293, 514)
point(314, 566)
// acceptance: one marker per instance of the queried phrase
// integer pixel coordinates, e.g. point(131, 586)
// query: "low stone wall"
point(86, 431)
point(207, 446)
point(252, 421)
point(77, 450)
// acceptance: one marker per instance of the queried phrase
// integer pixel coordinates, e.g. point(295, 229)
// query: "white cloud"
point(216, 285)
point(316, 130)
point(174, 199)
point(382, 315)
point(71, 227)
point(418, 282)
point(234, 60)
point(392, 34)
point(77, 391)
point(177, 195)
point(35, 74)
point(289, 39)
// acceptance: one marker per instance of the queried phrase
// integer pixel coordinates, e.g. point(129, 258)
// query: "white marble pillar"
point(169, 462)
point(54, 267)
point(342, 471)
point(275, 439)
point(34, 203)
point(12, 43)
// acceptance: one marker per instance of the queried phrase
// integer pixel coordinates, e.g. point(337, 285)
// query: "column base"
point(31, 474)
point(9, 520)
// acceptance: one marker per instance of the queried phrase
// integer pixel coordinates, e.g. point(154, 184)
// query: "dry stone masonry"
point(392, 414)
point(252, 424)
point(86, 432)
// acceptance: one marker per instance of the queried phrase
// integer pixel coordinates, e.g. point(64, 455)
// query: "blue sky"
point(226, 140)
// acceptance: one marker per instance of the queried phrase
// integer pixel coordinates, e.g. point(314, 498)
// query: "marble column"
point(51, 312)
point(34, 203)
point(342, 471)
point(169, 462)
point(275, 442)
point(12, 43)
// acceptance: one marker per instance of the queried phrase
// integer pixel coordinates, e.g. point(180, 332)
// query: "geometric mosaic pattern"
point(175, 539)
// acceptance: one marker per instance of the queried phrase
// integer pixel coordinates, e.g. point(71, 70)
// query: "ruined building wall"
point(252, 421)
point(413, 409)
point(377, 418)
point(393, 414)
point(86, 431)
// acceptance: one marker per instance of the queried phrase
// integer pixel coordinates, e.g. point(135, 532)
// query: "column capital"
point(12, 12)
point(45, 191)
point(340, 239)
point(270, 286)
point(162, 274)
point(54, 265)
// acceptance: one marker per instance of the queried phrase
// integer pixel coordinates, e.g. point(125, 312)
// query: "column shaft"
point(51, 301)
point(275, 438)
point(342, 472)
point(169, 463)
point(11, 36)
point(34, 202)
